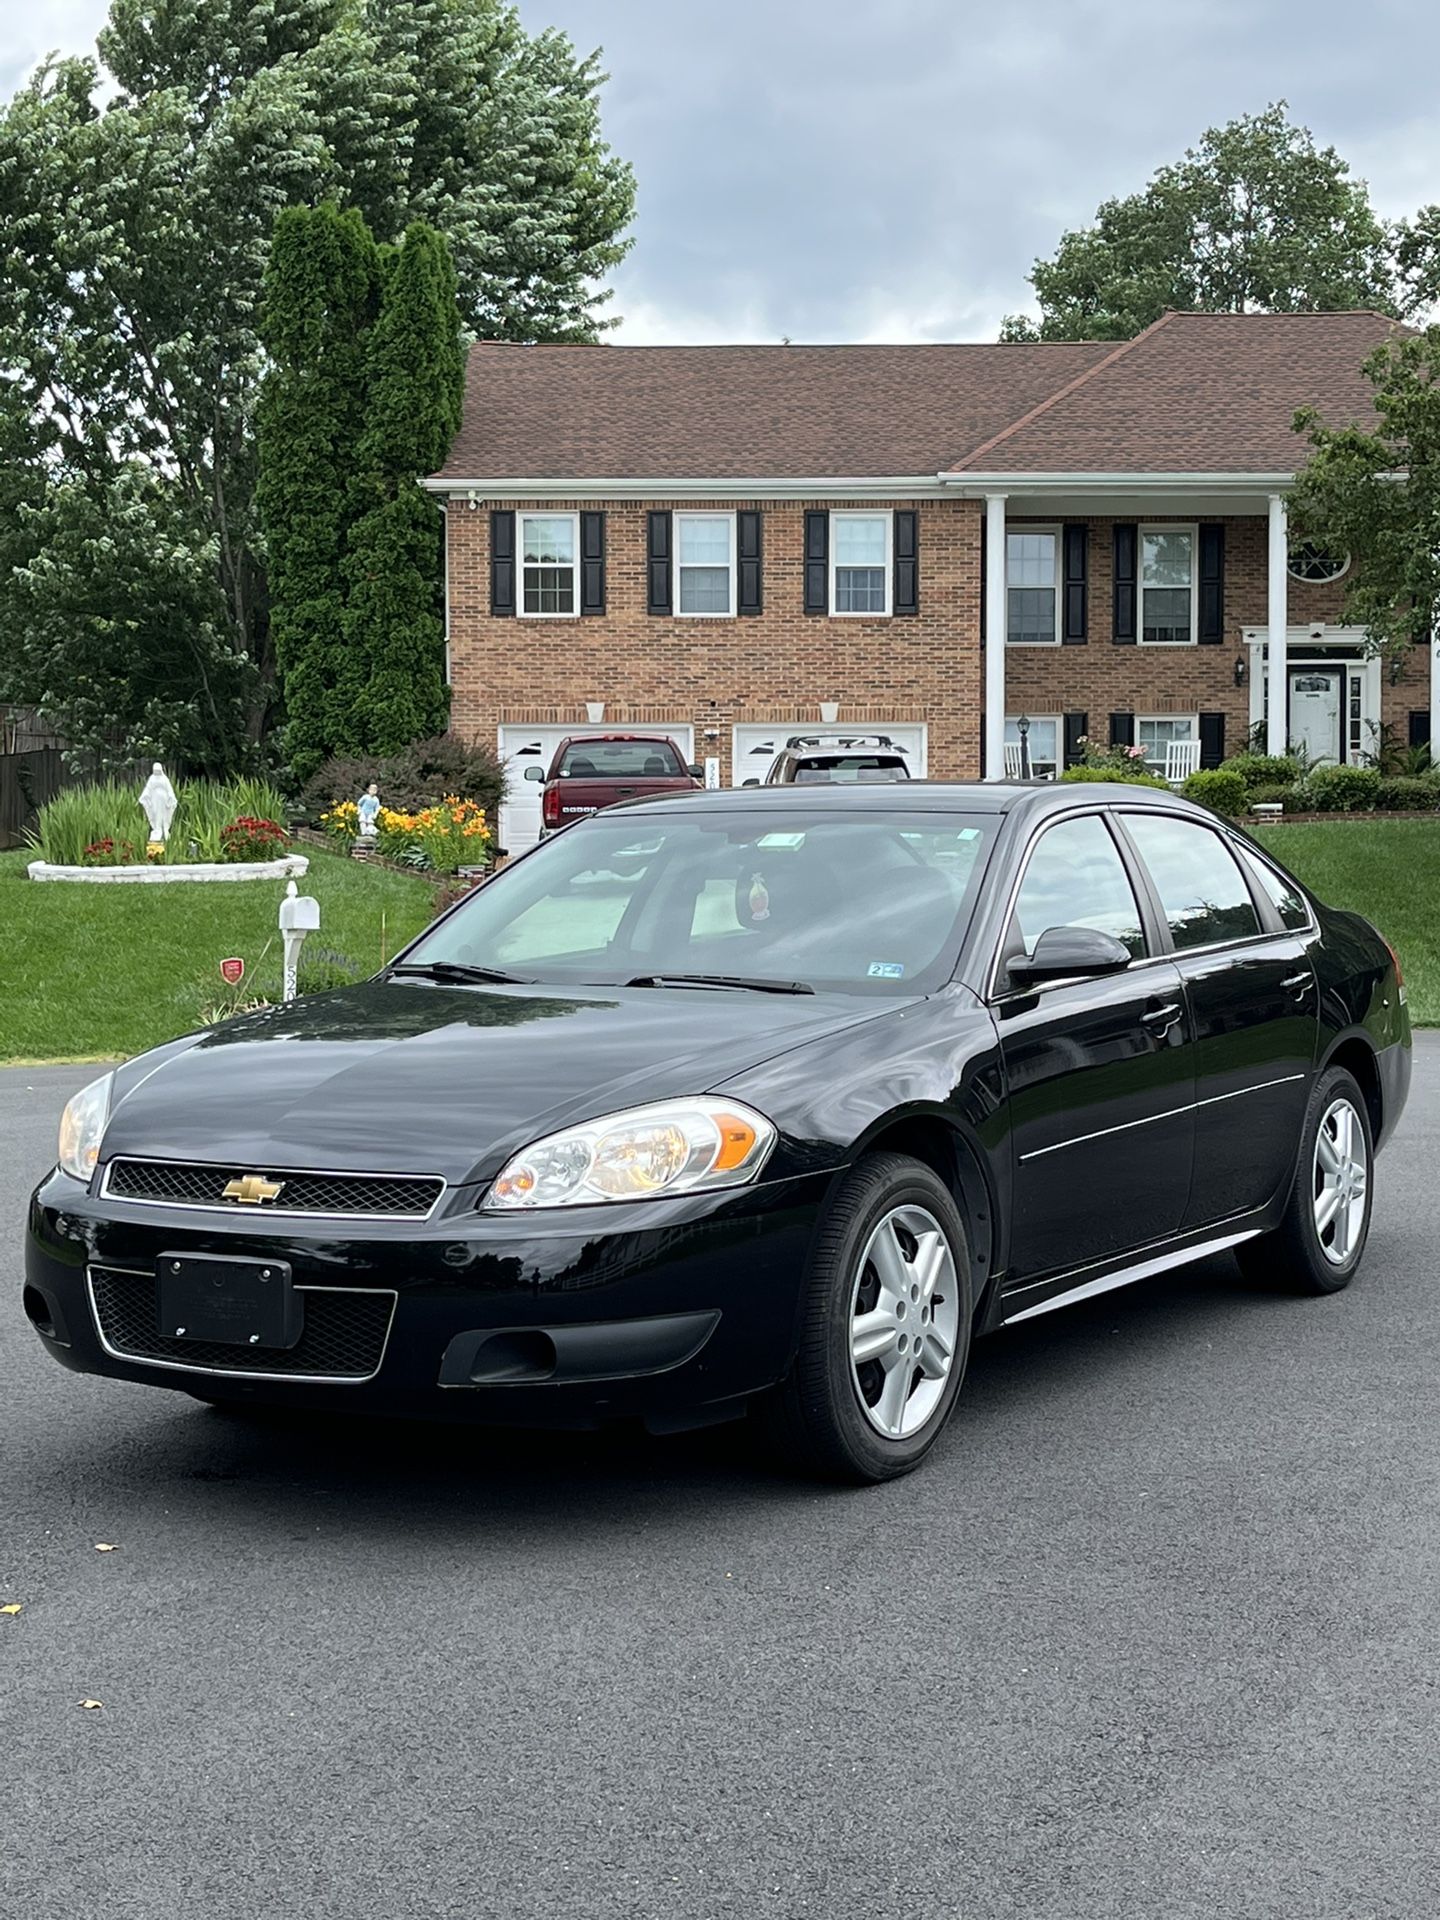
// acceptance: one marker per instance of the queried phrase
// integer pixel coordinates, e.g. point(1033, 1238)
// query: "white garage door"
point(522, 747)
point(754, 747)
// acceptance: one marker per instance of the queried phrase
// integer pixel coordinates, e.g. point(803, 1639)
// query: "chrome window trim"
point(234, 1208)
point(239, 1373)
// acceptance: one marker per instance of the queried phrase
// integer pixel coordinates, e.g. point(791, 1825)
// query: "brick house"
point(732, 543)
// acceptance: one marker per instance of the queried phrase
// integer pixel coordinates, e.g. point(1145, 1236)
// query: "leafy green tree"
point(1257, 218)
point(1375, 492)
point(394, 627)
point(322, 295)
point(136, 212)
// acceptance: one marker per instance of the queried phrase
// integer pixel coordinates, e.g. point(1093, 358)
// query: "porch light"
point(1022, 727)
point(1397, 667)
point(1239, 669)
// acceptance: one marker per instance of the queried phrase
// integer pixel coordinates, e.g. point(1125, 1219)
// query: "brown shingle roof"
point(1195, 393)
point(559, 412)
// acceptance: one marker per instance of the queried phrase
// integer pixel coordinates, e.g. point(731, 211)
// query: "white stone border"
point(290, 867)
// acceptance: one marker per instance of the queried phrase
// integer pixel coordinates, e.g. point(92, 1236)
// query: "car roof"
point(1035, 799)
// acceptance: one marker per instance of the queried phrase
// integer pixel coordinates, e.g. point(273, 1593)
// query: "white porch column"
point(1435, 698)
point(1277, 616)
point(995, 623)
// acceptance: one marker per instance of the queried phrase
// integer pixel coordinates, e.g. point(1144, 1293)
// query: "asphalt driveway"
point(1154, 1635)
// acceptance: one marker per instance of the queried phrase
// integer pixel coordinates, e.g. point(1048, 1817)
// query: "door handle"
point(1297, 983)
point(1162, 1017)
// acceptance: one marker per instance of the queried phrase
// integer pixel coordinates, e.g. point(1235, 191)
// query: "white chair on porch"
point(1013, 767)
point(1182, 758)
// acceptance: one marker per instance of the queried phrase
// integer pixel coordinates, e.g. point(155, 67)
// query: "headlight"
point(679, 1146)
point(81, 1126)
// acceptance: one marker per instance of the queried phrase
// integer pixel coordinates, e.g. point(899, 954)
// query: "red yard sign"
point(232, 972)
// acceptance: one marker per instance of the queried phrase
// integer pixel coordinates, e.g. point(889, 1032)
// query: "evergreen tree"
point(394, 610)
point(322, 291)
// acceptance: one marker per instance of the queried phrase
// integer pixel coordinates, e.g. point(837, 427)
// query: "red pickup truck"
point(594, 770)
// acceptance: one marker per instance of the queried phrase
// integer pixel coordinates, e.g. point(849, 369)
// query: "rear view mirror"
point(534, 773)
point(1063, 953)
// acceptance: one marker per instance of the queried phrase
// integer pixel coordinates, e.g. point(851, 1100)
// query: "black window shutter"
point(1126, 539)
point(907, 563)
point(502, 563)
point(750, 554)
point(1122, 729)
point(1077, 725)
point(1076, 542)
point(1420, 727)
point(817, 562)
point(657, 567)
point(1212, 739)
point(592, 563)
point(1212, 584)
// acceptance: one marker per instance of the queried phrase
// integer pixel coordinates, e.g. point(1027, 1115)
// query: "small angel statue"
point(158, 800)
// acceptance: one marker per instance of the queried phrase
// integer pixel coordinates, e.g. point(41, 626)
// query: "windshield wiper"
point(730, 980)
point(460, 972)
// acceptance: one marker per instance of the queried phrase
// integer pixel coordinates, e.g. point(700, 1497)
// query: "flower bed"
point(442, 838)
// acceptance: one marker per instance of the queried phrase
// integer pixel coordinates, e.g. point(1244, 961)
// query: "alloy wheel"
point(1341, 1178)
point(904, 1321)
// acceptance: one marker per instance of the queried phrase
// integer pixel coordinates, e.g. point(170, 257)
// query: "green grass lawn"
point(1389, 870)
point(102, 972)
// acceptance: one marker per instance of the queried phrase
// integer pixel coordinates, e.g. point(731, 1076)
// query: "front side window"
point(549, 562)
point(1043, 740)
point(1156, 733)
point(705, 563)
point(1076, 878)
point(860, 563)
point(1202, 891)
point(1031, 589)
point(1167, 586)
point(846, 902)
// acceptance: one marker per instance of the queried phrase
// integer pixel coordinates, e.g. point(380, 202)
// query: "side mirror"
point(534, 773)
point(749, 783)
point(1064, 953)
point(696, 771)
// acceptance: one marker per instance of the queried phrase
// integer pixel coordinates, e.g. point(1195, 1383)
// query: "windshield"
point(841, 902)
point(621, 760)
point(857, 767)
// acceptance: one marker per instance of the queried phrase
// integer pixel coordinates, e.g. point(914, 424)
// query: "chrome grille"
point(344, 1336)
point(175, 1183)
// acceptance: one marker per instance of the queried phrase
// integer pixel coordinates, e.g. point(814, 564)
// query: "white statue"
point(368, 810)
point(158, 800)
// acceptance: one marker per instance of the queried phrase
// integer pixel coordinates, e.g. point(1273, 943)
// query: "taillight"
point(550, 806)
point(1395, 962)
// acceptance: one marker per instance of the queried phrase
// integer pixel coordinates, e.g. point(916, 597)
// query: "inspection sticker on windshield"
point(886, 970)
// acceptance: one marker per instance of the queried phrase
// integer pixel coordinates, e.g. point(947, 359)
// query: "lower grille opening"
point(343, 1339)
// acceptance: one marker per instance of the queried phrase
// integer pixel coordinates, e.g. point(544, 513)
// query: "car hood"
point(408, 1077)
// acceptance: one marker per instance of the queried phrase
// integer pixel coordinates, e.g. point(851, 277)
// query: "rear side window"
point(620, 760)
point(1289, 901)
point(1202, 891)
point(1076, 878)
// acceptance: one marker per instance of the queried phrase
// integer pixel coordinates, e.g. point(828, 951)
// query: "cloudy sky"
point(889, 169)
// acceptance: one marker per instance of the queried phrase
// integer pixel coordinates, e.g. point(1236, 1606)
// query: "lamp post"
point(1022, 727)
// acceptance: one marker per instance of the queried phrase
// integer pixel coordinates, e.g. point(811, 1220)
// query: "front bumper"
point(672, 1311)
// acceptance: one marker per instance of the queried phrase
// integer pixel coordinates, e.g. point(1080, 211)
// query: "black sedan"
point(751, 1102)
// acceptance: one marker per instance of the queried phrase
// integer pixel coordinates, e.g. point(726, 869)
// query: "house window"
point(1316, 564)
point(705, 563)
point(1355, 721)
point(549, 563)
point(860, 563)
point(1032, 588)
point(1167, 586)
point(1044, 742)
point(1155, 732)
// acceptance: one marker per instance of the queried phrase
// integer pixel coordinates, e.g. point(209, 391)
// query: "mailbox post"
point(299, 915)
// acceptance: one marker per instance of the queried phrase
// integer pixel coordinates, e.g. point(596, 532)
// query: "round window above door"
point(1318, 565)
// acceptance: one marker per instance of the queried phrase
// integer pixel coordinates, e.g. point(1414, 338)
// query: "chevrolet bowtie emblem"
point(253, 1189)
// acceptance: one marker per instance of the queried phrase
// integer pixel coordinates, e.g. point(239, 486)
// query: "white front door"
point(754, 747)
point(1315, 711)
point(522, 747)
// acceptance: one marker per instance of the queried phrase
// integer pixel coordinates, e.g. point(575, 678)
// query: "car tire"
point(1320, 1240)
point(888, 1278)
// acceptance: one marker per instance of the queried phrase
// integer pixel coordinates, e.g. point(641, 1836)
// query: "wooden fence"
point(32, 771)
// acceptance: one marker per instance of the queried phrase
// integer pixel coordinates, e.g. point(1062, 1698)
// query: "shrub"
point(426, 772)
point(1116, 775)
point(1220, 789)
point(250, 838)
point(1342, 789)
point(1289, 797)
point(1263, 769)
point(1406, 793)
